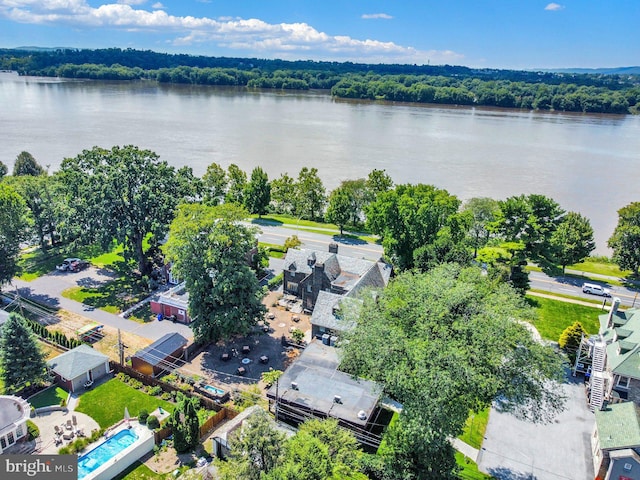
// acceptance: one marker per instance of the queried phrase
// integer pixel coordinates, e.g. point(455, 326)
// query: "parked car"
point(594, 289)
point(72, 265)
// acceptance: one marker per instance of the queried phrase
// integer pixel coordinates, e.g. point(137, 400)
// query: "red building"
point(173, 304)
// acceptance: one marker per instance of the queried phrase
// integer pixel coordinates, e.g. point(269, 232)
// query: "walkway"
point(466, 449)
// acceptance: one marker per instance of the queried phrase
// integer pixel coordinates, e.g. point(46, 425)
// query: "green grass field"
point(555, 315)
point(50, 397)
point(469, 469)
point(475, 427)
point(139, 471)
point(106, 403)
point(113, 297)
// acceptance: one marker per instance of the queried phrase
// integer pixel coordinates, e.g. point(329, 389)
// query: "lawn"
point(36, 263)
point(474, 428)
point(106, 403)
point(600, 266)
point(554, 316)
point(469, 469)
point(313, 227)
point(52, 396)
point(113, 297)
point(139, 471)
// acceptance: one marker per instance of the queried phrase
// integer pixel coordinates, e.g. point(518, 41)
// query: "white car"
point(594, 289)
point(72, 265)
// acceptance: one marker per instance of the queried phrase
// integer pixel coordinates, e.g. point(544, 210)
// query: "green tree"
point(507, 262)
point(208, 247)
point(42, 196)
point(625, 240)
point(483, 212)
point(237, 184)
point(123, 193)
point(27, 165)
point(215, 184)
point(257, 193)
point(409, 217)
point(310, 194)
point(570, 338)
point(340, 208)
point(292, 242)
point(21, 360)
point(189, 187)
point(359, 197)
point(378, 182)
point(13, 230)
point(453, 343)
point(184, 424)
point(321, 450)
point(532, 220)
point(283, 194)
point(3, 170)
point(572, 240)
point(255, 449)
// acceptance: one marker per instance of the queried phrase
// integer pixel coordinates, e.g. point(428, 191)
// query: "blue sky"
point(521, 34)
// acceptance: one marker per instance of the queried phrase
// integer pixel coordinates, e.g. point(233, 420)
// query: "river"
point(587, 163)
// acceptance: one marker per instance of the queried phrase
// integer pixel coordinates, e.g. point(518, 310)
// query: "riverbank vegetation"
point(445, 84)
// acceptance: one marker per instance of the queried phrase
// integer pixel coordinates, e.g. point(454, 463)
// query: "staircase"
point(596, 399)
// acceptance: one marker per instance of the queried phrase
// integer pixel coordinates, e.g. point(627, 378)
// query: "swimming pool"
point(104, 452)
point(214, 390)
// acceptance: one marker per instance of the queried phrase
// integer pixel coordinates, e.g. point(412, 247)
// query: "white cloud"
point(158, 6)
point(132, 2)
point(554, 7)
point(375, 16)
point(251, 36)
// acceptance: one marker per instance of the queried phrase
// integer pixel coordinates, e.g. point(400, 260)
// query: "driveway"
point(48, 289)
point(517, 450)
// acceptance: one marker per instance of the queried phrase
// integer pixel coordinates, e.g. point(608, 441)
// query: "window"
point(623, 382)
point(20, 431)
point(10, 438)
point(309, 288)
point(292, 287)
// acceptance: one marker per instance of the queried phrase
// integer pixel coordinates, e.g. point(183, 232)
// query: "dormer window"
point(623, 382)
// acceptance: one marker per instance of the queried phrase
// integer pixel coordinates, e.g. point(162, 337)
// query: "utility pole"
point(121, 347)
point(276, 405)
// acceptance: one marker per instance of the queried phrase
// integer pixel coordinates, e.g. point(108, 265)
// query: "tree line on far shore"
point(589, 93)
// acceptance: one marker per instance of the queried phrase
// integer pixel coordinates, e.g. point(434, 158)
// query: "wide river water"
point(587, 163)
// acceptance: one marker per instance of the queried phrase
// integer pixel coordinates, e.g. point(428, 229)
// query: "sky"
point(517, 34)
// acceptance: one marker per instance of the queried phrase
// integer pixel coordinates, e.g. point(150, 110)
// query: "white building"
point(14, 413)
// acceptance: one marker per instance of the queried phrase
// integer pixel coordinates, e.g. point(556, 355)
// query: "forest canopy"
point(439, 84)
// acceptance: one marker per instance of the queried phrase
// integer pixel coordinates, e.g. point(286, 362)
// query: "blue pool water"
point(108, 449)
point(214, 390)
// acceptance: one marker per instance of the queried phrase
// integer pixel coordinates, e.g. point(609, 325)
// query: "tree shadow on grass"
point(267, 221)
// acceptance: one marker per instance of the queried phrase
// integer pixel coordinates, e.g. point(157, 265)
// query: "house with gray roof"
point(79, 367)
point(333, 315)
point(309, 272)
point(161, 356)
point(313, 387)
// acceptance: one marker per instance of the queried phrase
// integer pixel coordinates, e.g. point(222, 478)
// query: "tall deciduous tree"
point(210, 247)
point(13, 230)
point(257, 193)
point(320, 450)
point(483, 213)
point(310, 194)
point(573, 240)
point(123, 193)
point(3, 170)
point(378, 181)
point(21, 360)
point(27, 165)
point(215, 184)
point(255, 449)
point(283, 194)
point(340, 208)
point(409, 217)
point(453, 342)
point(625, 240)
point(237, 183)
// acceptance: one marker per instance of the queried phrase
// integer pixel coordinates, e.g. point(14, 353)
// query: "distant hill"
point(599, 71)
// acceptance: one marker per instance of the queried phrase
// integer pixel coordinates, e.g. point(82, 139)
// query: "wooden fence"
point(205, 428)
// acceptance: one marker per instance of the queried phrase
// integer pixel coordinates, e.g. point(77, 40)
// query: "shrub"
point(153, 422)
point(270, 377)
point(33, 430)
point(166, 396)
point(155, 391)
point(142, 416)
point(297, 335)
point(275, 281)
point(569, 340)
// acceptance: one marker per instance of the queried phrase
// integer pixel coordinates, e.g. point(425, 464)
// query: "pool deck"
point(47, 422)
point(143, 445)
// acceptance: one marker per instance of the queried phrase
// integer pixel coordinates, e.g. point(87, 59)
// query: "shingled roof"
point(77, 361)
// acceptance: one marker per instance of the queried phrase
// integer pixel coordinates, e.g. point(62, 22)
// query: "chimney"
point(337, 399)
point(613, 311)
point(333, 247)
point(294, 385)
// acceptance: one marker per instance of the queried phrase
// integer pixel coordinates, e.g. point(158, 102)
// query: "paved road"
point(561, 450)
point(573, 286)
point(318, 241)
point(48, 289)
